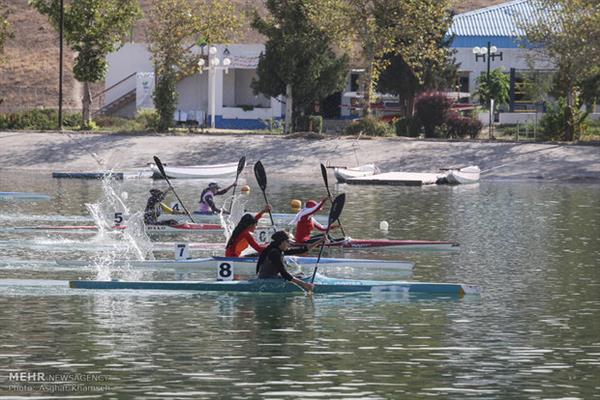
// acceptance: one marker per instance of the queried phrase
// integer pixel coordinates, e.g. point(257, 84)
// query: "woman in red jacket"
point(241, 237)
point(305, 223)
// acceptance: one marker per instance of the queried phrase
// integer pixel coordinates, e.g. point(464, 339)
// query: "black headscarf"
point(246, 221)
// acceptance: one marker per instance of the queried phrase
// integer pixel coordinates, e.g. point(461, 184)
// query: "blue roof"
point(504, 19)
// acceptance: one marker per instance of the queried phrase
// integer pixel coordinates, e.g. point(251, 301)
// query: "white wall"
point(511, 58)
point(130, 58)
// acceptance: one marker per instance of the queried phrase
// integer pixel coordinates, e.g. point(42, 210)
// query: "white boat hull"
point(343, 174)
point(248, 264)
point(199, 171)
point(464, 175)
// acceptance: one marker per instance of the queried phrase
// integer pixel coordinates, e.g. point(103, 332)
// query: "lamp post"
point(214, 64)
point(491, 52)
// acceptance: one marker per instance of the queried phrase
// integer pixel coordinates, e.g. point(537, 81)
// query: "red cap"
point(311, 204)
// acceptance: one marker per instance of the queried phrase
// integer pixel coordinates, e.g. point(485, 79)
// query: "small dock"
point(87, 175)
point(398, 179)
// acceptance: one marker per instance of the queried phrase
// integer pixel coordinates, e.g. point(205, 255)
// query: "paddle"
point(162, 171)
point(337, 205)
point(324, 173)
point(240, 168)
point(261, 178)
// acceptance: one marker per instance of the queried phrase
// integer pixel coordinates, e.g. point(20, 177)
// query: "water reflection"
point(533, 247)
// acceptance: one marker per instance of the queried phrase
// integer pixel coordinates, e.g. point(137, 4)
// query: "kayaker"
point(241, 237)
point(153, 208)
point(271, 263)
point(206, 205)
point(305, 223)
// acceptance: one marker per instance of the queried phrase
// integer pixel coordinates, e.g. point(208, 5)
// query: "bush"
point(432, 110)
point(42, 119)
point(407, 126)
point(563, 122)
point(458, 126)
point(309, 123)
point(148, 119)
point(369, 126)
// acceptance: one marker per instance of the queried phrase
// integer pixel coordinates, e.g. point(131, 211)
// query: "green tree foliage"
point(176, 26)
point(411, 29)
point(569, 38)
point(92, 29)
point(5, 32)
point(496, 86)
point(398, 78)
point(298, 54)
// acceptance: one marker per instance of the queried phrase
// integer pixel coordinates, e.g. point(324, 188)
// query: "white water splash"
point(134, 244)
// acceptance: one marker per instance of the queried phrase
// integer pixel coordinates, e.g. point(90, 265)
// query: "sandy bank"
point(73, 152)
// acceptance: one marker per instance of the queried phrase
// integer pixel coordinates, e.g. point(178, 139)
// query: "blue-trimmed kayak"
point(23, 196)
point(322, 285)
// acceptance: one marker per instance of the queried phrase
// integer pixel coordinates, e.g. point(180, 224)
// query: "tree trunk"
point(368, 84)
point(87, 105)
point(288, 109)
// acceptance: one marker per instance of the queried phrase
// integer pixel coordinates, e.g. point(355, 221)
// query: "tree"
point(569, 37)
point(5, 32)
point(177, 26)
point(398, 78)
point(298, 61)
point(496, 86)
point(409, 28)
point(92, 28)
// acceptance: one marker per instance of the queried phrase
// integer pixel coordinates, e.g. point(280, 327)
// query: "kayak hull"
point(322, 285)
point(151, 229)
point(278, 218)
point(248, 264)
point(23, 196)
point(197, 171)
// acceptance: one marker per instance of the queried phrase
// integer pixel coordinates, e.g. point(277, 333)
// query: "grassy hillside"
point(29, 68)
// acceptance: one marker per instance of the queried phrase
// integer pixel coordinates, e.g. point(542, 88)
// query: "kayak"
point(401, 244)
point(181, 228)
point(391, 244)
point(248, 264)
point(197, 171)
point(23, 196)
point(278, 218)
point(322, 285)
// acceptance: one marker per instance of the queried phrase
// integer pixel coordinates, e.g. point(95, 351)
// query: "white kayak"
point(343, 174)
point(278, 218)
point(180, 228)
point(197, 171)
point(23, 196)
point(464, 175)
point(248, 264)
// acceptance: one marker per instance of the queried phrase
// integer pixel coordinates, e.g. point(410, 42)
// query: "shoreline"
point(89, 152)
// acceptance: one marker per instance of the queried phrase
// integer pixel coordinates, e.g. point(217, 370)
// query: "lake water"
point(532, 247)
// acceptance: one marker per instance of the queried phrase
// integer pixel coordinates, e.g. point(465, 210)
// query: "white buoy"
point(124, 195)
point(384, 226)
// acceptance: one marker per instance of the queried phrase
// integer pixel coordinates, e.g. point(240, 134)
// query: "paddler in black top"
point(271, 263)
point(153, 208)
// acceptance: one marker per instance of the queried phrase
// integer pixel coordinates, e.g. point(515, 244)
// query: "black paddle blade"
point(336, 208)
point(241, 165)
point(160, 166)
point(324, 173)
point(261, 176)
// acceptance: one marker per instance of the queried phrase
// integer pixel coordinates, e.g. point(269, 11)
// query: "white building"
point(224, 89)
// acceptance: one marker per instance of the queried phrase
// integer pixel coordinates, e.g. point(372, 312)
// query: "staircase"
point(116, 104)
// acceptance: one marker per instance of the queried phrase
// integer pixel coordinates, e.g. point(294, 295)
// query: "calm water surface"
point(534, 333)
